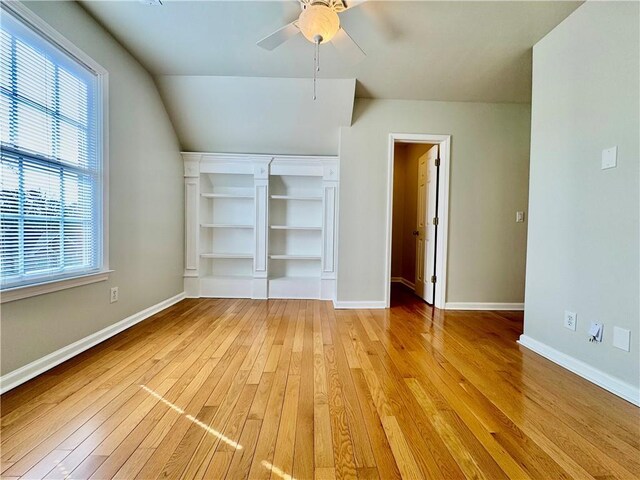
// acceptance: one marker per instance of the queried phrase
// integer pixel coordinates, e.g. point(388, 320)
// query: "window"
point(51, 172)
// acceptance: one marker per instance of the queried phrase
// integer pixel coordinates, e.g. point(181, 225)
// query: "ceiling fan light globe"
point(318, 20)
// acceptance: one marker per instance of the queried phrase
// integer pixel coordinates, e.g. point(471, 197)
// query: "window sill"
point(18, 293)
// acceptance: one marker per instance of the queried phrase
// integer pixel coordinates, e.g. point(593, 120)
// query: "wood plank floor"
point(295, 389)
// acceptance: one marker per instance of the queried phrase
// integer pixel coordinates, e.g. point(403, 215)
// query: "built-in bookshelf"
point(295, 237)
point(226, 213)
point(260, 226)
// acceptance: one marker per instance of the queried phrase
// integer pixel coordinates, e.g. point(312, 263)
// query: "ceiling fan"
point(319, 23)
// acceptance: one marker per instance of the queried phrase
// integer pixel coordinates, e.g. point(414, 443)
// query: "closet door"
point(420, 232)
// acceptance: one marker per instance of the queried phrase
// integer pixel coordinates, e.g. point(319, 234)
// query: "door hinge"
point(437, 162)
point(433, 279)
point(435, 220)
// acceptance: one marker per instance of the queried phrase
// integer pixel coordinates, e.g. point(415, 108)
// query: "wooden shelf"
point(223, 225)
point(226, 195)
point(226, 255)
point(296, 197)
point(294, 257)
point(291, 227)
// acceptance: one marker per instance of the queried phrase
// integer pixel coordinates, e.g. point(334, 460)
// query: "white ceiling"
point(423, 50)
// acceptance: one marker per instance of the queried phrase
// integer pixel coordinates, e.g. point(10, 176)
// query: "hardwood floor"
point(295, 389)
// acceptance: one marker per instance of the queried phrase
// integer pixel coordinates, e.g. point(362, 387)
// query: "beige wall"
point(146, 208)
point(489, 183)
point(583, 238)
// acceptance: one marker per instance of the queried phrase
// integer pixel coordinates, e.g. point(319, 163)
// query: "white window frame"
point(40, 27)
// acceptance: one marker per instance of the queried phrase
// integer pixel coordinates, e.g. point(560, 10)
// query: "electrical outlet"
point(114, 294)
point(570, 320)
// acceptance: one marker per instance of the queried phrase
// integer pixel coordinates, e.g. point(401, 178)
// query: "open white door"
point(425, 226)
point(432, 223)
point(420, 232)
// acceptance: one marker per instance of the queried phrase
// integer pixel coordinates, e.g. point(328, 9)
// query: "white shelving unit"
point(222, 203)
point(260, 226)
point(295, 239)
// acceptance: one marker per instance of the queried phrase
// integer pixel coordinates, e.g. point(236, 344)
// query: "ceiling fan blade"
point(347, 46)
point(352, 3)
point(280, 36)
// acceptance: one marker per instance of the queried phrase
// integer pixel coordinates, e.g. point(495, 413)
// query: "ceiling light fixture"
point(319, 23)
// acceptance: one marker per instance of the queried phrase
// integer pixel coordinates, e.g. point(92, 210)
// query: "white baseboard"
point(449, 306)
point(403, 281)
point(35, 368)
point(359, 305)
point(586, 371)
point(483, 306)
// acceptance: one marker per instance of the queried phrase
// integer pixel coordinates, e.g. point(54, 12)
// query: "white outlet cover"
point(622, 338)
point(609, 158)
point(595, 331)
point(570, 320)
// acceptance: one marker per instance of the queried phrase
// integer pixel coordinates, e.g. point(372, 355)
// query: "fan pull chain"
point(316, 64)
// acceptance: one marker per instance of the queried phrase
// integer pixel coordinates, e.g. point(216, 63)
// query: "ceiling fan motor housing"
point(335, 5)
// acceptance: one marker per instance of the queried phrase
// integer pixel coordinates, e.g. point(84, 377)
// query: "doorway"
point(418, 215)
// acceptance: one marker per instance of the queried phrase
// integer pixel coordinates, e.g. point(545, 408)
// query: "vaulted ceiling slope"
point(420, 50)
point(257, 115)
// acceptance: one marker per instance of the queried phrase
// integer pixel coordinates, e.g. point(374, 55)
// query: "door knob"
point(416, 232)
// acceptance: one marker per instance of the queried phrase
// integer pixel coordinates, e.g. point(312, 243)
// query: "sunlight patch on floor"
point(62, 469)
point(281, 473)
point(193, 419)
point(173, 407)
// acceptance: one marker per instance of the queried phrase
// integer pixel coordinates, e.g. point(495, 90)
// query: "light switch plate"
point(609, 158)
point(519, 217)
point(622, 338)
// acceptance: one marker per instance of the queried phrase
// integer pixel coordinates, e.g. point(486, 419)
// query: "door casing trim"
point(444, 141)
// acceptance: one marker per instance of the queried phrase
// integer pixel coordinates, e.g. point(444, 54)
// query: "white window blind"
point(50, 172)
